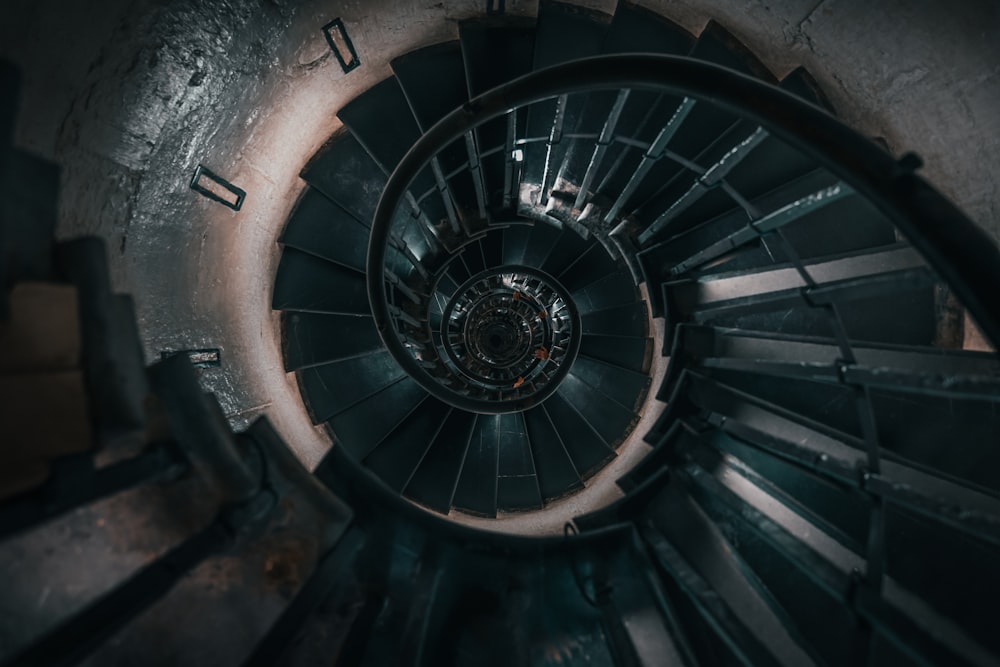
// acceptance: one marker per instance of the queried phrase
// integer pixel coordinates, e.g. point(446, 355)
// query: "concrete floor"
point(129, 96)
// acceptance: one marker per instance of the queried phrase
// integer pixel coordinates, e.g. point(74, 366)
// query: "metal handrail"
point(963, 255)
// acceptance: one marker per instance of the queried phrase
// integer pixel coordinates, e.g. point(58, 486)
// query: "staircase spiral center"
point(509, 330)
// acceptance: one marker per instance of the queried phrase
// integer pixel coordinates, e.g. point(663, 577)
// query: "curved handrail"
point(963, 255)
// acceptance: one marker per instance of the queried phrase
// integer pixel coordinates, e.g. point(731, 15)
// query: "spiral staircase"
point(552, 257)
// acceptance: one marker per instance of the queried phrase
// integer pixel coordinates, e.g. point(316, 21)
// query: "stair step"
point(605, 415)
point(632, 353)
point(566, 250)
point(846, 224)
point(566, 32)
point(307, 283)
point(298, 628)
point(380, 120)
point(717, 45)
point(607, 292)
point(433, 80)
point(334, 387)
point(367, 423)
point(515, 242)
point(556, 473)
point(496, 51)
point(316, 338)
point(32, 437)
point(585, 268)
point(635, 29)
point(476, 492)
point(320, 227)
point(395, 458)
point(541, 242)
point(517, 482)
point(434, 482)
point(343, 171)
point(622, 385)
point(955, 374)
point(630, 319)
point(841, 515)
point(586, 449)
point(801, 83)
point(864, 283)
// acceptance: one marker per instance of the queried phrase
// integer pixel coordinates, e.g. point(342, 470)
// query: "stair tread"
point(898, 311)
point(377, 119)
point(398, 455)
point(620, 384)
point(515, 241)
point(607, 292)
point(321, 227)
point(800, 82)
point(433, 80)
point(635, 29)
point(366, 424)
point(517, 483)
point(586, 267)
point(307, 283)
point(476, 491)
point(343, 171)
point(585, 447)
point(556, 472)
point(633, 353)
point(540, 243)
point(607, 417)
point(718, 45)
point(566, 32)
point(629, 319)
point(567, 249)
point(495, 52)
point(333, 387)
point(316, 338)
point(434, 481)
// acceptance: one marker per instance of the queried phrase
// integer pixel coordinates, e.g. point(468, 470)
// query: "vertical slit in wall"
point(341, 44)
point(211, 185)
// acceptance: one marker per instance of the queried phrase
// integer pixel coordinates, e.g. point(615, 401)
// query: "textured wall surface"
point(129, 96)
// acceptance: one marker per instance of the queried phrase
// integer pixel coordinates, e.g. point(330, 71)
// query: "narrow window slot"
point(217, 188)
point(206, 358)
point(340, 42)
